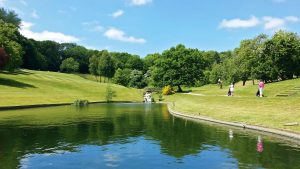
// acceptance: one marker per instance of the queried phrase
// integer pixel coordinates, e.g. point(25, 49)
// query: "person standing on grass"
point(231, 88)
point(261, 86)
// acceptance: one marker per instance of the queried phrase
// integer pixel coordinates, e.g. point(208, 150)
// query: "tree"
point(122, 77)
point(178, 66)
point(52, 51)
point(10, 17)
point(106, 65)
point(134, 63)
point(285, 53)
point(9, 41)
point(137, 79)
point(3, 58)
point(79, 53)
point(93, 66)
point(32, 58)
point(69, 65)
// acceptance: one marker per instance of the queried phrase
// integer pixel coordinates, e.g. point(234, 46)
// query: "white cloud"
point(116, 34)
point(273, 23)
point(267, 21)
point(118, 13)
point(239, 23)
point(45, 35)
point(93, 26)
point(140, 2)
point(34, 14)
point(278, 23)
point(292, 19)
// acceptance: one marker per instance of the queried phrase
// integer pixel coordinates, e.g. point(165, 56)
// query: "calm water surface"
point(131, 136)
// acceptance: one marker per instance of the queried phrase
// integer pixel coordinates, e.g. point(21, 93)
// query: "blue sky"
point(148, 26)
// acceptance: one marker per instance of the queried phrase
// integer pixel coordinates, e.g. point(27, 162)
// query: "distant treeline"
point(266, 58)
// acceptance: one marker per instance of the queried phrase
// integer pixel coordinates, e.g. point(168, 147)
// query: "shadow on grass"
point(14, 83)
point(17, 72)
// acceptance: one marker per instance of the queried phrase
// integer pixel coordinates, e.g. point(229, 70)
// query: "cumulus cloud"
point(118, 13)
point(26, 31)
point(116, 34)
point(268, 22)
point(240, 23)
point(278, 23)
point(140, 2)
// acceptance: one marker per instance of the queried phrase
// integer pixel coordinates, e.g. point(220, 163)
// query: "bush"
point(81, 103)
point(167, 90)
point(69, 65)
point(160, 97)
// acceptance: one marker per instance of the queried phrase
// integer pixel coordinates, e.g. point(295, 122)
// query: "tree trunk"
point(253, 81)
point(179, 89)
point(244, 82)
point(100, 79)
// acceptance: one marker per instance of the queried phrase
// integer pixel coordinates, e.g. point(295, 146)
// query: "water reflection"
point(130, 136)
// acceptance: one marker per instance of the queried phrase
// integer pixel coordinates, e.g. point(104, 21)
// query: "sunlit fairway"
point(244, 107)
point(30, 87)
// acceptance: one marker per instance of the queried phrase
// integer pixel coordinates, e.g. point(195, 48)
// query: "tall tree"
point(10, 17)
point(9, 40)
point(178, 66)
point(51, 50)
point(106, 65)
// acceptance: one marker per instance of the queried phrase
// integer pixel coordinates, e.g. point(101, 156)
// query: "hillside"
point(28, 87)
point(244, 107)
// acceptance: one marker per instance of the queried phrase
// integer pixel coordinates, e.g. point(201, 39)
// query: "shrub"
point(81, 103)
point(109, 93)
point(69, 65)
point(160, 97)
point(167, 90)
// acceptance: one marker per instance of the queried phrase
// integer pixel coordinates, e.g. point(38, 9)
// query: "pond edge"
point(54, 104)
point(240, 125)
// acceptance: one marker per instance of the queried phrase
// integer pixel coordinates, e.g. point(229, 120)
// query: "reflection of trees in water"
point(176, 137)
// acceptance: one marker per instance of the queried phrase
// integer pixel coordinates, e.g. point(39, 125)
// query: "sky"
point(151, 26)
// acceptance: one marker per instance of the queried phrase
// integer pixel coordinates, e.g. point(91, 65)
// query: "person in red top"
point(261, 86)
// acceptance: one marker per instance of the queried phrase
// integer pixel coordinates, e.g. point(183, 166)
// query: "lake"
point(132, 136)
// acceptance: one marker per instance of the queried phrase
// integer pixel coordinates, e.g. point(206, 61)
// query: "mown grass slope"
point(27, 87)
point(244, 106)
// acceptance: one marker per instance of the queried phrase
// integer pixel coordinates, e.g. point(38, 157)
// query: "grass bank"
point(28, 87)
point(244, 107)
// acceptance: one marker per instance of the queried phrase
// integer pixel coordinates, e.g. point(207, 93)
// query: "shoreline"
point(278, 132)
point(53, 104)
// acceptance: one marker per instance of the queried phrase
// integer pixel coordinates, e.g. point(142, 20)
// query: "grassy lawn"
point(244, 107)
point(29, 87)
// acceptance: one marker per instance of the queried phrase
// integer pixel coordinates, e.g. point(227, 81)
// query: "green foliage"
point(32, 58)
point(69, 65)
point(52, 51)
point(10, 17)
point(167, 90)
point(78, 53)
point(81, 103)
point(9, 40)
point(178, 66)
point(106, 65)
point(122, 77)
point(160, 97)
point(109, 93)
point(137, 79)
